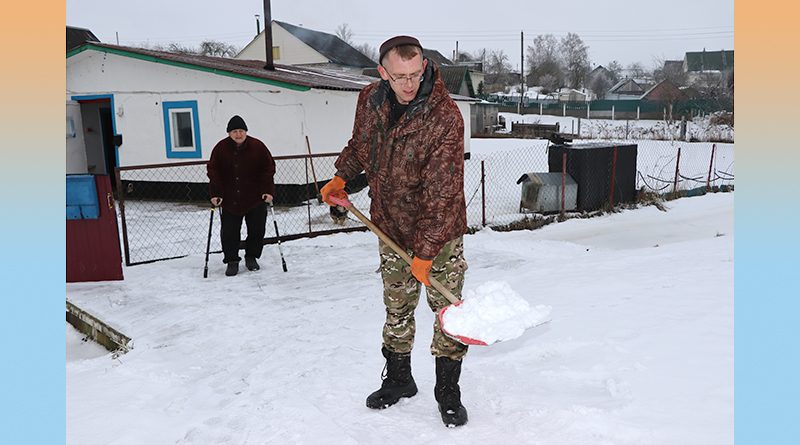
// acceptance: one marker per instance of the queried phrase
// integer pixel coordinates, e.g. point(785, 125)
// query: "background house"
point(294, 45)
point(625, 89)
point(572, 95)
point(664, 91)
point(705, 69)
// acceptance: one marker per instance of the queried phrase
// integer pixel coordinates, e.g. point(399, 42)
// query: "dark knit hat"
point(396, 41)
point(236, 123)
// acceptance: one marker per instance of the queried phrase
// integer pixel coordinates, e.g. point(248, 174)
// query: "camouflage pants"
point(401, 296)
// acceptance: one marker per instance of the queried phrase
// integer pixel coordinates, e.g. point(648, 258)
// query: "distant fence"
point(164, 209)
point(619, 109)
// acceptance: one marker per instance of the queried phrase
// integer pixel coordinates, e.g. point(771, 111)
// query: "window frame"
point(169, 109)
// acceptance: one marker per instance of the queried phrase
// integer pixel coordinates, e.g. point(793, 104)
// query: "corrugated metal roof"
point(78, 36)
point(329, 45)
point(626, 86)
point(709, 60)
point(664, 90)
point(247, 69)
point(436, 56)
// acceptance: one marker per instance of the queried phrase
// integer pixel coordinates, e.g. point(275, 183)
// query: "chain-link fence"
point(607, 173)
point(164, 209)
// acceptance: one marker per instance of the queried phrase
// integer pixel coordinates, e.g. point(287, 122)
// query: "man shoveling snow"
point(408, 138)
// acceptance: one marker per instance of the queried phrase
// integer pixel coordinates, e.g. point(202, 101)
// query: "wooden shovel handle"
point(399, 250)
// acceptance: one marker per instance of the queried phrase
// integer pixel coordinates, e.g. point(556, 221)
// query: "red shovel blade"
point(462, 339)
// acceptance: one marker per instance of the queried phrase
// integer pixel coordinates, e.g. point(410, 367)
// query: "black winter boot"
point(448, 393)
point(397, 382)
point(251, 263)
point(232, 269)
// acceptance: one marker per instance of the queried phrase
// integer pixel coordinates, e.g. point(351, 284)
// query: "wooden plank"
point(97, 330)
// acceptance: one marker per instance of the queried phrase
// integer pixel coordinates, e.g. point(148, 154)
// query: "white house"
point(145, 107)
point(170, 107)
point(294, 45)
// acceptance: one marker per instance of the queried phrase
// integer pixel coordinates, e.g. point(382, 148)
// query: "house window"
point(182, 129)
point(276, 52)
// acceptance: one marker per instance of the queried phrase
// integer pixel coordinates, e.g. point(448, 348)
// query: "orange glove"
point(334, 187)
point(420, 268)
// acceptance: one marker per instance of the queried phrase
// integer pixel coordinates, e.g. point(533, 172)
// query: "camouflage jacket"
point(415, 170)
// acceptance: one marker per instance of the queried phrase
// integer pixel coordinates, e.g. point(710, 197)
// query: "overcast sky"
point(623, 30)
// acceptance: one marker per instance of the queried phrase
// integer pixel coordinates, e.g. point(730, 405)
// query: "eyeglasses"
point(411, 78)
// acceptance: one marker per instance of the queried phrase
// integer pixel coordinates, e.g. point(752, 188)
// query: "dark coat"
point(241, 175)
point(415, 170)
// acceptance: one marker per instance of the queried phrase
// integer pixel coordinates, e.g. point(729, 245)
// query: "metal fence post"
point(710, 166)
point(121, 196)
point(677, 172)
point(563, 183)
point(483, 195)
point(308, 201)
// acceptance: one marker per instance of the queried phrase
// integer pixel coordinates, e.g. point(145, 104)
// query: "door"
point(93, 251)
point(99, 134)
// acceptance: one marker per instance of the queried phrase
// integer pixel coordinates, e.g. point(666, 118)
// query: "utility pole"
point(268, 35)
point(521, 70)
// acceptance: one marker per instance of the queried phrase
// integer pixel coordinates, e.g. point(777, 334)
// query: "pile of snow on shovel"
point(493, 312)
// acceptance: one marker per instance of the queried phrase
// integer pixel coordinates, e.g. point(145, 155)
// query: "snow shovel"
point(344, 202)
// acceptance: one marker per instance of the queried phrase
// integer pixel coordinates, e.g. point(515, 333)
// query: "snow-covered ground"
point(639, 349)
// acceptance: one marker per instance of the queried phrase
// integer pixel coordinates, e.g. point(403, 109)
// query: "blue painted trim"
point(192, 104)
point(113, 118)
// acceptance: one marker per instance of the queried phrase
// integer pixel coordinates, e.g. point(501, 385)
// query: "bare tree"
point(344, 32)
point(480, 54)
point(370, 51)
point(615, 69)
point(497, 69)
point(672, 71)
point(549, 83)
point(600, 84)
point(497, 62)
point(173, 47)
point(217, 49)
point(207, 48)
point(636, 70)
point(575, 56)
point(543, 60)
